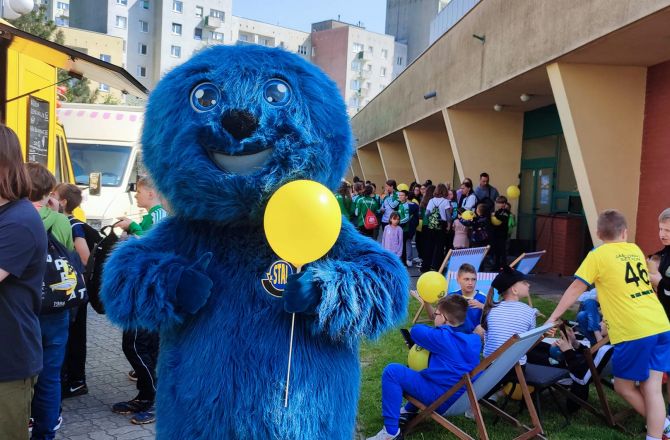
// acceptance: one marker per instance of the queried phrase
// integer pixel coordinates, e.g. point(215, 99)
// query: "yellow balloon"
point(431, 286)
point(495, 221)
point(403, 187)
point(417, 358)
point(513, 192)
point(468, 215)
point(302, 221)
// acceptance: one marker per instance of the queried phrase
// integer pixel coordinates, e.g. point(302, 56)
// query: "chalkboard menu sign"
point(38, 130)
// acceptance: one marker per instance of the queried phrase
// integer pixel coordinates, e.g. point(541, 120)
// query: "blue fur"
point(222, 368)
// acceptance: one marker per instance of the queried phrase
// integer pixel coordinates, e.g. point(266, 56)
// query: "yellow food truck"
point(28, 93)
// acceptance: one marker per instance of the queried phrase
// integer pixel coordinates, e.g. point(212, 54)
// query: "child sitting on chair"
point(453, 353)
point(467, 280)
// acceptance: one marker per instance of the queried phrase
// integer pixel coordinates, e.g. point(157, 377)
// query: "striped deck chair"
point(454, 259)
point(479, 383)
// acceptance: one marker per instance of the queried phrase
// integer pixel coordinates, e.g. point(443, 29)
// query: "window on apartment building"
point(142, 71)
point(199, 11)
point(302, 50)
point(197, 34)
point(243, 38)
point(371, 50)
point(144, 26)
point(218, 14)
point(354, 102)
point(177, 6)
point(176, 29)
point(175, 51)
point(142, 48)
point(368, 67)
point(356, 65)
point(368, 85)
point(399, 61)
point(263, 41)
point(62, 21)
point(216, 36)
point(121, 22)
point(355, 85)
point(122, 2)
point(313, 51)
point(382, 71)
point(145, 4)
point(106, 58)
point(103, 87)
point(381, 86)
point(357, 47)
point(385, 53)
point(62, 6)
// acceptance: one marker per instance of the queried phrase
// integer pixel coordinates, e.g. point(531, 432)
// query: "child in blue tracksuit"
point(453, 353)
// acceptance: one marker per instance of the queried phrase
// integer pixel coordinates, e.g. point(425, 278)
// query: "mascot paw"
point(195, 285)
point(301, 294)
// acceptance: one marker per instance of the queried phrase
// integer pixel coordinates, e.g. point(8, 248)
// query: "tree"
point(36, 23)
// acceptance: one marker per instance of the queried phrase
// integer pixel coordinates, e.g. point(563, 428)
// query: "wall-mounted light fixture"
point(525, 97)
point(430, 95)
point(498, 107)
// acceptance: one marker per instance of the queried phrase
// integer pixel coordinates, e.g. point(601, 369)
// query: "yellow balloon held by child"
point(431, 286)
point(513, 192)
point(417, 358)
point(302, 221)
point(468, 215)
point(495, 221)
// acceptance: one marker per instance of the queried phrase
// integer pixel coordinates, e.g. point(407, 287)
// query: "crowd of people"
point(44, 252)
point(431, 218)
point(622, 294)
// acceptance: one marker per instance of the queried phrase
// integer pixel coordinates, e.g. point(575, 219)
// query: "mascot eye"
point(204, 97)
point(277, 92)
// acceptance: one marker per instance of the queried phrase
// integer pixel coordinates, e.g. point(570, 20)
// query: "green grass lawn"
point(391, 348)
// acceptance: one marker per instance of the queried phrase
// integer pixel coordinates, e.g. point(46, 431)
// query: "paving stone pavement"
point(89, 417)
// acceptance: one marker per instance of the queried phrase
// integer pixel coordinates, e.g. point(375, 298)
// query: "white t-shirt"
point(505, 320)
point(441, 203)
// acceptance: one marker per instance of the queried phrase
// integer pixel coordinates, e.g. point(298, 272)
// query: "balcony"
point(213, 22)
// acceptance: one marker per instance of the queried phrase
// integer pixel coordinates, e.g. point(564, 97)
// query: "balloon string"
point(290, 352)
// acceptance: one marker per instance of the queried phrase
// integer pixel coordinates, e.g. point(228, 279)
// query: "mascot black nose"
point(239, 123)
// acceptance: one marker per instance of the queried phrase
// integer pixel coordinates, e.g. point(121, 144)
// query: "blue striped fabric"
point(505, 320)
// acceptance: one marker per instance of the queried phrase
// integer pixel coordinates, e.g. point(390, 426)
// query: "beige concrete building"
point(567, 99)
point(359, 61)
point(249, 31)
point(102, 46)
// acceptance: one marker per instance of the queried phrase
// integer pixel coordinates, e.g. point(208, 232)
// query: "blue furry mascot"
point(222, 132)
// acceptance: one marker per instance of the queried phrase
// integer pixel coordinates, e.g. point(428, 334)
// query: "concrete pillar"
point(430, 150)
point(395, 159)
point(486, 141)
point(602, 113)
point(356, 167)
point(371, 164)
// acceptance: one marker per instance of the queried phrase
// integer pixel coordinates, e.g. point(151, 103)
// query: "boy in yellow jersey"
point(637, 324)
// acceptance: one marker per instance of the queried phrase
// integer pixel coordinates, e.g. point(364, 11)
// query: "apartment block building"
point(249, 31)
point(158, 34)
point(359, 61)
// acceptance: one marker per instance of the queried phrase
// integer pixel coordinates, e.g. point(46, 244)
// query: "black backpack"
point(101, 250)
point(63, 285)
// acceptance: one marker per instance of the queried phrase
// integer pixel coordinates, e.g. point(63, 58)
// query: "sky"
point(300, 14)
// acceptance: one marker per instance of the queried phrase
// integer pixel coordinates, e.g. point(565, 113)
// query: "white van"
point(105, 139)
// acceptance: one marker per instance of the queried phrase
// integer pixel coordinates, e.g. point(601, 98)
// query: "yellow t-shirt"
point(628, 302)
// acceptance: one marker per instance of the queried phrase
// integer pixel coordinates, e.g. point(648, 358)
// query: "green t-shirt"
point(345, 205)
point(361, 207)
point(155, 214)
point(59, 225)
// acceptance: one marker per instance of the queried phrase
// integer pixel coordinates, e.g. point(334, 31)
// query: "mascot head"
point(225, 129)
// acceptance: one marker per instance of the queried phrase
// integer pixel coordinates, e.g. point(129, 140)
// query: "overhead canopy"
point(73, 61)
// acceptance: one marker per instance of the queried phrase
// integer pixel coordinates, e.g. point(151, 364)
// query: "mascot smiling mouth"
point(244, 163)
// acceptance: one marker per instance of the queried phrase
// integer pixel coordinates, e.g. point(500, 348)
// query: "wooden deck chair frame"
point(445, 262)
point(604, 412)
point(475, 405)
point(527, 255)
